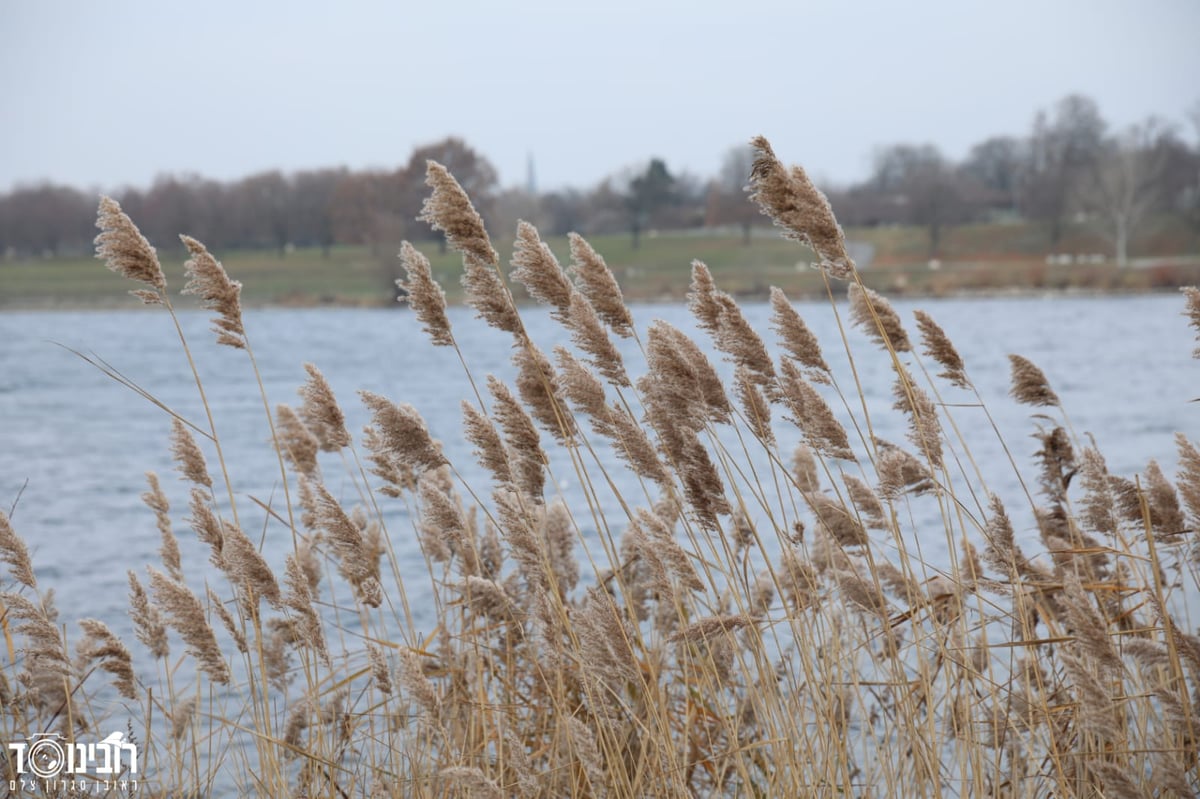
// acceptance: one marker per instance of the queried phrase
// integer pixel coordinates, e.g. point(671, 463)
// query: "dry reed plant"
point(752, 621)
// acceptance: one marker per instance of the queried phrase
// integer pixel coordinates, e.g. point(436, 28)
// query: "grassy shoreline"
point(976, 261)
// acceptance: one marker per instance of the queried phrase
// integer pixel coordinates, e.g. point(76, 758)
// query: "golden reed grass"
point(757, 619)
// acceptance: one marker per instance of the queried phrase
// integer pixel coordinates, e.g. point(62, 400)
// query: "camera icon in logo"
point(46, 757)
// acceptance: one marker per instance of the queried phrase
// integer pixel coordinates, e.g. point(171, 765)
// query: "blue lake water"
point(74, 445)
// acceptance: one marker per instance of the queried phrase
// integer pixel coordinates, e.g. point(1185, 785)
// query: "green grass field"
point(974, 258)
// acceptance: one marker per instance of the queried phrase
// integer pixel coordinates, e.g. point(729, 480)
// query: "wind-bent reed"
point(753, 620)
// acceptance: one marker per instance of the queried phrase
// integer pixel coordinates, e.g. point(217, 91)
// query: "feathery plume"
point(424, 295)
point(1098, 506)
point(596, 282)
point(14, 552)
point(125, 250)
point(869, 507)
point(673, 556)
point(585, 751)
point(589, 335)
point(604, 639)
point(1002, 552)
point(796, 338)
point(536, 268)
point(156, 500)
point(1192, 298)
point(356, 562)
point(863, 594)
point(939, 347)
point(581, 386)
point(188, 455)
point(1090, 630)
point(1165, 514)
point(249, 567)
point(442, 525)
point(755, 407)
point(43, 638)
point(1057, 459)
point(207, 527)
point(297, 443)
point(321, 411)
point(804, 469)
point(797, 206)
point(473, 781)
point(1188, 479)
point(702, 298)
point(100, 644)
point(837, 520)
point(417, 685)
point(633, 445)
point(812, 415)
point(397, 475)
point(208, 280)
point(738, 339)
point(924, 429)
point(489, 448)
point(148, 625)
point(487, 294)
point(186, 616)
point(449, 209)
point(718, 313)
point(1029, 384)
point(488, 598)
point(403, 432)
point(560, 546)
point(704, 630)
point(875, 316)
point(538, 386)
point(682, 379)
point(900, 471)
point(298, 599)
point(527, 458)
point(380, 674)
point(227, 621)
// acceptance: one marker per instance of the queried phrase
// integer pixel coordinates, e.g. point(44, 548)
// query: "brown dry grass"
point(734, 631)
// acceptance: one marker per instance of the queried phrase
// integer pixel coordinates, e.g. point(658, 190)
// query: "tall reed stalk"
point(753, 621)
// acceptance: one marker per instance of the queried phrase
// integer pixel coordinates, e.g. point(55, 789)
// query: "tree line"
point(1069, 166)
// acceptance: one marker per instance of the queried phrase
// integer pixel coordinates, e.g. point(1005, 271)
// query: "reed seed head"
point(875, 316)
point(797, 206)
point(321, 411)
point(597, 283)
point(939, 347)
point(424, 295)
point(14, 552)
point(536, 268)
point(208, 280)
point(125, 250)
point(1029, 384)
point(449, 209)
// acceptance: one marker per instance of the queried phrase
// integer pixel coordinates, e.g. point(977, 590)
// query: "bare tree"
point(1063, 150)
point(997, 165)
point(923, 186)
point(1126, 182)
point(727, 202)
point(311, 207)
point(648, 192)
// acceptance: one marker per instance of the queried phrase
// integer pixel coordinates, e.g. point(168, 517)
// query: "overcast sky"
point(109, 94)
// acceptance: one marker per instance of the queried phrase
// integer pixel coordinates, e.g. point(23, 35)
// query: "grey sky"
point(107, 94)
